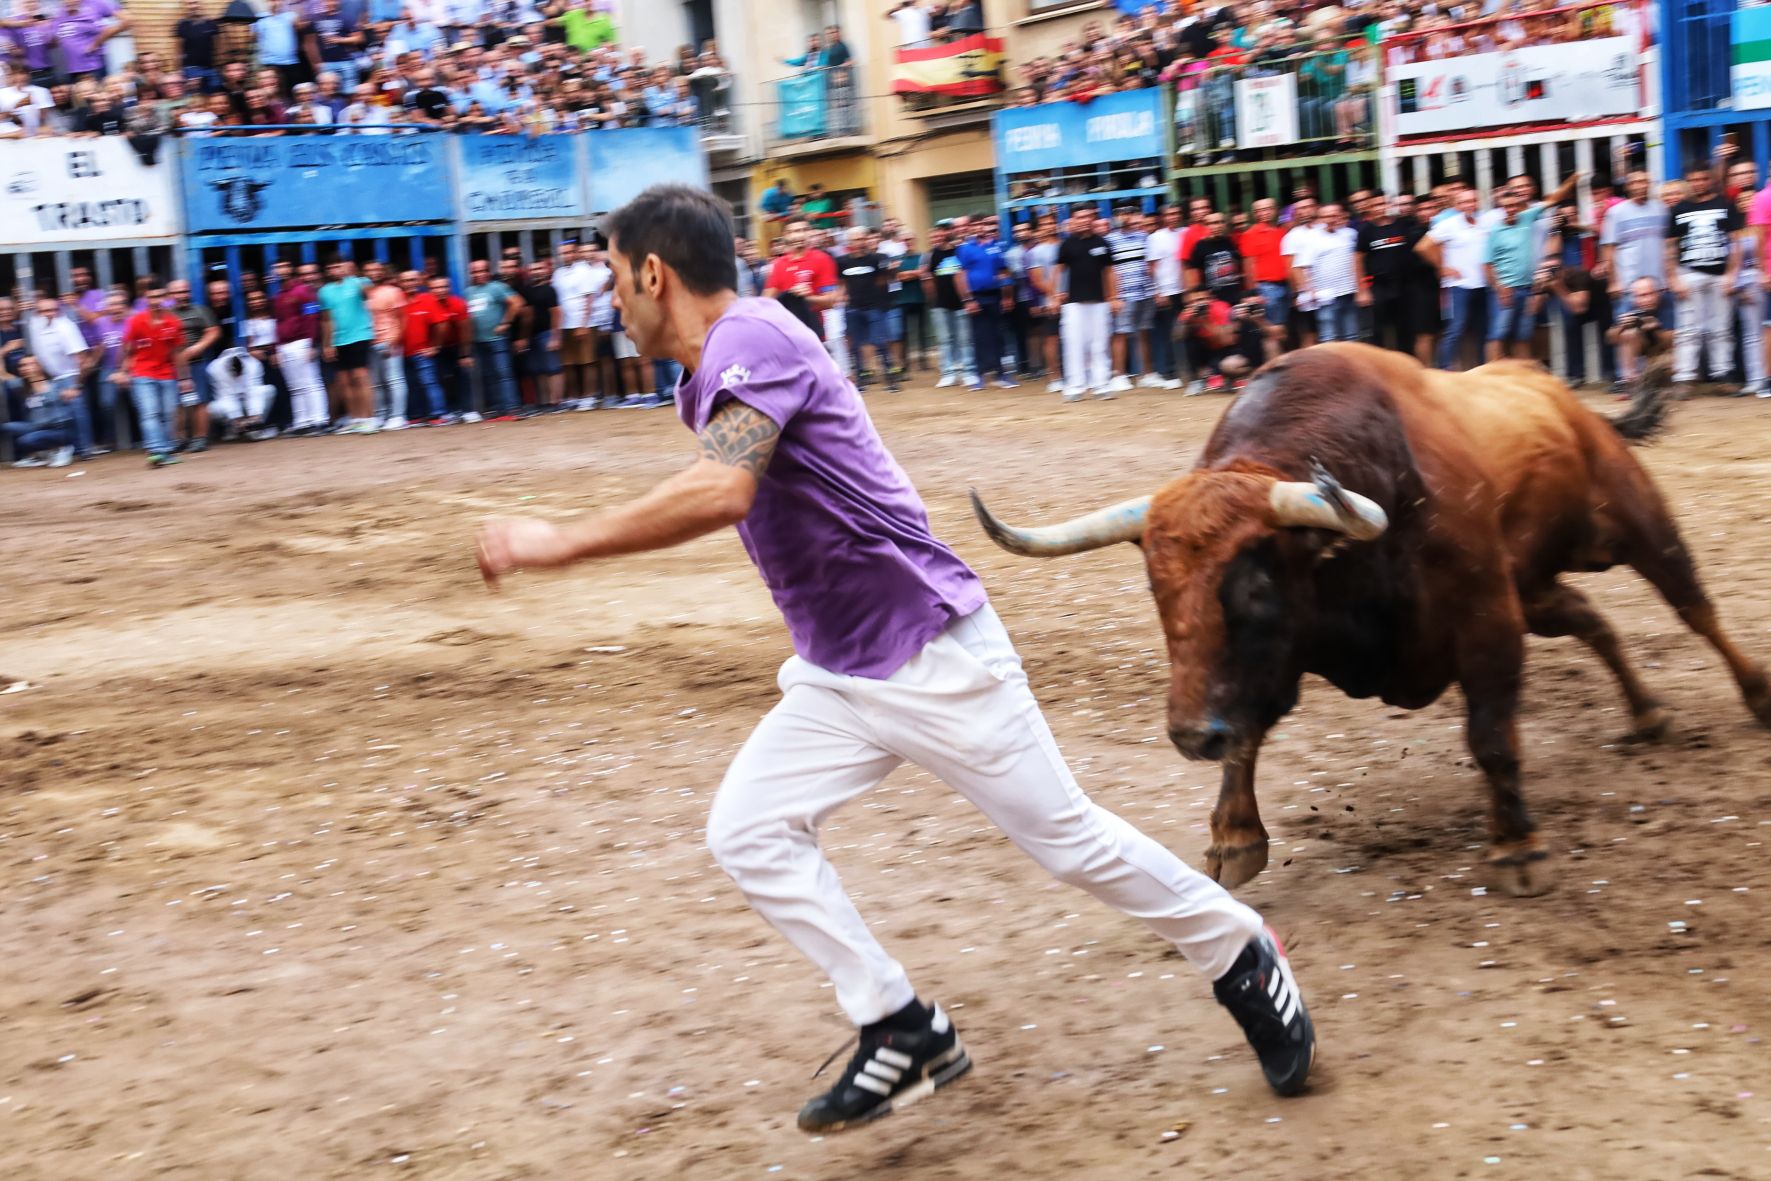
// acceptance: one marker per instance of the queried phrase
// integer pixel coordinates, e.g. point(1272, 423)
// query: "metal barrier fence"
point(1276, 106)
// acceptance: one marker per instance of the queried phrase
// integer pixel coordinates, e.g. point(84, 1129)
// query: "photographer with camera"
point(1639, 333)
point(1224, 341)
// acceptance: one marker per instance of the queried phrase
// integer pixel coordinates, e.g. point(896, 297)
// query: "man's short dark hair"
point(236, 366)
point(689, 229)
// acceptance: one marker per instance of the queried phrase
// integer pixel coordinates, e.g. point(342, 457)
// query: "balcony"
point(949, 81)
point(1315, 104)
point(817, 110)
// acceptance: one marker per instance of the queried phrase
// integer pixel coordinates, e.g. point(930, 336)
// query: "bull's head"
point(1231, 555)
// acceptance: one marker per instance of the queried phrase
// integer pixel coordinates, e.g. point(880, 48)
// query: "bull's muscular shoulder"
point(1337, 404)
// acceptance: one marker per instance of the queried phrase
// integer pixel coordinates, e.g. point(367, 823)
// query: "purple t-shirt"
point(34, 41)
point(92, 301)
point(837, 531)
point(76, 30)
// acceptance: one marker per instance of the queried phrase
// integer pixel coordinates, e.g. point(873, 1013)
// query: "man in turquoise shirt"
point(1510, 262)
point(492, 306)
point(345, 333)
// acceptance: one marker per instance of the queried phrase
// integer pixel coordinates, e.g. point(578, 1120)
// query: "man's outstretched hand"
point(508, 544)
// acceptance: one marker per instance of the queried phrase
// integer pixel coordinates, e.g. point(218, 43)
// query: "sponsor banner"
point(512, 177)
point(1267, 111)
point(802, 106)
point(1573, 82)
point(967, 68)
point(314, 180)
point(625, 161)
point(83, 190)
point(1752, 58)
point(1126, 125)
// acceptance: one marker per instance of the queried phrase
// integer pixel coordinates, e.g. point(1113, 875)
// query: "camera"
point(1540, 282)
point(1630, 322)
point(1250, 309)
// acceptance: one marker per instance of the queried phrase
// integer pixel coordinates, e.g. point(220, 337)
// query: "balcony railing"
point(817, 104)
point(930, 76)
point(1284, 106)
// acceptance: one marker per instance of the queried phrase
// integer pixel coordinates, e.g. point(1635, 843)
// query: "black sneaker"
point(906, 1057)
point(1261, 993)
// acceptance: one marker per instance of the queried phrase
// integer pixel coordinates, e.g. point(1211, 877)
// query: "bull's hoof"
point(1231, 866)
point(1522, 870)
point(1652, 724)
point(1760, 704)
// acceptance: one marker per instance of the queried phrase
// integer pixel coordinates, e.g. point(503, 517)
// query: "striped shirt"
point(1131, 268)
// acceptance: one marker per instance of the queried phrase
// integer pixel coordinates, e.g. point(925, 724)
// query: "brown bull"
point(1468, 497)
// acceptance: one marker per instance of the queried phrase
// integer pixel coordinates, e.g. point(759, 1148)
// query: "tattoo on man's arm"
point(740, 436)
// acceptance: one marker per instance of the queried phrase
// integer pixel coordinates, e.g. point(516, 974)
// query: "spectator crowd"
point(503, 66)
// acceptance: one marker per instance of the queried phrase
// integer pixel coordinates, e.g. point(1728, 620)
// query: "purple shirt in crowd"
point(838, 533)
point(76, 30)
point(34, 41)
point(91, 301)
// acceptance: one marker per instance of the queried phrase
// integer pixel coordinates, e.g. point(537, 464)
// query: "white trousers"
point(1086, 332)
point(1704, 317)
point(301, 373)
point(1749, 303)
point(961, 709)
point(836, 340)
point(250, 402)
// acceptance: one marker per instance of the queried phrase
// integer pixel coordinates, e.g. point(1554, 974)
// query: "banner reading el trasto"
point(83, 190)
point(1573, 82)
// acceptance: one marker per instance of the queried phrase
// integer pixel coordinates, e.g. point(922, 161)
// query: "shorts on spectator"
point(540, 360)
point(894, 325)
point(577, 346)
point(1134, 315)
point(1514, 323)
point(623, 347)
point(869, 326)
point(354, 355)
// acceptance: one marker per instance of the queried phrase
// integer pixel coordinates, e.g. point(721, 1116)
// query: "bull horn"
point(1103, 527)
point(1316, 506)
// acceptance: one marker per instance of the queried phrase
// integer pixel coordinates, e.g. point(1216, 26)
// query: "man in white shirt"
point(21, 103)
point(57, 343)
point(1456, 245)
point(1165, 280)
point(577, 283)
point(1332, 277)
point(239, 394)
point(1298, 248)
point(912, 21)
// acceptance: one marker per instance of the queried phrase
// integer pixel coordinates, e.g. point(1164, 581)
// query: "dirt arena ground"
point(316, 861)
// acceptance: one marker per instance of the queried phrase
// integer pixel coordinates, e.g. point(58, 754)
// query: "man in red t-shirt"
point(297, 309)
point(1263, 260)
point(153, 365)
point(446, 314)
point(803, 279)
point(424, 316)
point(1198, 209)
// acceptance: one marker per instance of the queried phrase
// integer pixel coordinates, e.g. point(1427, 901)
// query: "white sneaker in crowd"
point(1119, 385)
point(947, 379)
point(31, 461)
point(1151, 381)
point(61, 457)
point(396, 423)
point(1072, 395)
point(472, 416)
point(1054, 387)
point(1171, 383)
point(1195, 388)
point(1105, 393)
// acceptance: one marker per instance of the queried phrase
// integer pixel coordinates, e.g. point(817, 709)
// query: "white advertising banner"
point(55, 191)
point(1574, 82)
point(1267, 111)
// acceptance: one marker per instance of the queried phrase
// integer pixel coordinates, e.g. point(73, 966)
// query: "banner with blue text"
point(314, 180)
point(1044, 138)
point(510, 177)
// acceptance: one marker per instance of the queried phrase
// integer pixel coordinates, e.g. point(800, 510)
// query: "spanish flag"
point(968, 68)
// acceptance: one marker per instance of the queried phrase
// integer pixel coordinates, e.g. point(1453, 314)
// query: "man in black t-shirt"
point(1701, 259)
point(426, 101)
point(1087, 296)
point(1215, 263)
point(196, 35)
point(866, 281)
point(953, 331)
point(1384, 264)
point(543, 326)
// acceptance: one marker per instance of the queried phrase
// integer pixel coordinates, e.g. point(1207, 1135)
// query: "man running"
point(899, 657)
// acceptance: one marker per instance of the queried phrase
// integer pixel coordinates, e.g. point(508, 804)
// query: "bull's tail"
point(1642, 419)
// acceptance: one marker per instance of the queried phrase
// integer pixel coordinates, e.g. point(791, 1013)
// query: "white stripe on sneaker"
point(1283, 990)
point(868, 1083)
point(878, 1069)
point(893, 1057)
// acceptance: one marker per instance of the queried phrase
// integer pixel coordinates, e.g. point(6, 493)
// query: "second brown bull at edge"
point(1393, 529)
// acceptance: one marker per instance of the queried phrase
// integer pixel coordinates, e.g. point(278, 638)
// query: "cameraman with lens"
point(1223, 340)
point(1639, 331)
